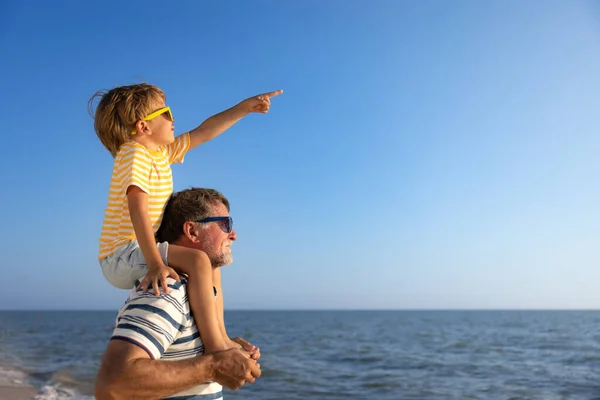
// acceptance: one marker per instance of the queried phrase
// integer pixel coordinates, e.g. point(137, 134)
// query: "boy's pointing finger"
point(273, 94)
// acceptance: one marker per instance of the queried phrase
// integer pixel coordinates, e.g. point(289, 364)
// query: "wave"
point(49, 386)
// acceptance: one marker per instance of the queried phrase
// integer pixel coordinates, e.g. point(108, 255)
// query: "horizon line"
point(316, 309)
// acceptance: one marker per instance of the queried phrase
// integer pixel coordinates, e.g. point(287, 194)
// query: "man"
point(155, 351)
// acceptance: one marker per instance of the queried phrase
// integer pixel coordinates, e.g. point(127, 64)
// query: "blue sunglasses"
point(227, 226)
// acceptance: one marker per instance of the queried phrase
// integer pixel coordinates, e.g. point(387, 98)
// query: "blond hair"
point(118, 111)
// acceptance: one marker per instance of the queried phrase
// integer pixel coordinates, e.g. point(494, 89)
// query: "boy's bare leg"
point(216, 278)
point(196, 265)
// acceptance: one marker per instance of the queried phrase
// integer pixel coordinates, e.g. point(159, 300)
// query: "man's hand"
point(232, 368)
point(260, 103)
point(252, 350)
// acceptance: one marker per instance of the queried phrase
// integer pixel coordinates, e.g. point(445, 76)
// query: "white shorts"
point(127, 264)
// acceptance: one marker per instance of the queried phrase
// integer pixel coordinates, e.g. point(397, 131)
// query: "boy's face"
point(162, 127)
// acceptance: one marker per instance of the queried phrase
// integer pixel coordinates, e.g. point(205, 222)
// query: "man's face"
point(215, 242)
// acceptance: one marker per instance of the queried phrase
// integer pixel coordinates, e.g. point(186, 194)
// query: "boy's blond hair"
point(119, 109)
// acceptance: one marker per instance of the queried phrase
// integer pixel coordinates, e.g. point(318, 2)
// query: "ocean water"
point(345, 354)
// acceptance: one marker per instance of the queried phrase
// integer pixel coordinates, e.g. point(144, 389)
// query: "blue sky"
point(424, 154)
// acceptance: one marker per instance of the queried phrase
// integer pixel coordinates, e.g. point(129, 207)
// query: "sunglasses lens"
point(167, 114)
point(225, 223)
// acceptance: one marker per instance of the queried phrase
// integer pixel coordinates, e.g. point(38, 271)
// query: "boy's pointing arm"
point(219, 123)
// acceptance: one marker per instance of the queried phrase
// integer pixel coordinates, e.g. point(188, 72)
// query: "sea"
point(343, 354)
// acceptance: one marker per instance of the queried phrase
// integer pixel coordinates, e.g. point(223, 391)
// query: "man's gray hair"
point(187, 205)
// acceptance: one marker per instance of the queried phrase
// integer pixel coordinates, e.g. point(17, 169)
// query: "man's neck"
point(184, 241)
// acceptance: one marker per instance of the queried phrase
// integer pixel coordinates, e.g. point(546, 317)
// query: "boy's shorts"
point(127, 264)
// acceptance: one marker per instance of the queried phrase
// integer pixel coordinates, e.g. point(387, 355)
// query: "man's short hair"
point(187, 205)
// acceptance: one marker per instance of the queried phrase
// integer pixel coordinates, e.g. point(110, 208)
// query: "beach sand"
point(17, 392)
point(13, 385)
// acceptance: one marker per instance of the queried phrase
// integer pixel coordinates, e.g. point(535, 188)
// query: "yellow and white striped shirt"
point(150, 171)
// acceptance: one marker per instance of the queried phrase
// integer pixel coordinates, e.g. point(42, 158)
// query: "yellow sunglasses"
point(156, 114)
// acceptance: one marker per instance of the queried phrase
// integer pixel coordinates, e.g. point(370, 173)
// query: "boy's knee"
point(201, 260)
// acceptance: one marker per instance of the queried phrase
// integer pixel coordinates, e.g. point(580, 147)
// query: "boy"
point(136, 126)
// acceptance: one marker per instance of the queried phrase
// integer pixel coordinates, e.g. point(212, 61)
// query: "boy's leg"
point(216, 277)
point(196, 265)
point(127, 265)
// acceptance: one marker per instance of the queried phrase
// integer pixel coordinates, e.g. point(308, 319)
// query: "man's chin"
point(228, 261)
point(223, 261)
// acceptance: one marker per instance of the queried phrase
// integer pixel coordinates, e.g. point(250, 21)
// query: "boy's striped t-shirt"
point(164, 328)
point(150, 171)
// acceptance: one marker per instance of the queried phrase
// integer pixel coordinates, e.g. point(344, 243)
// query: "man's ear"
point(191, 232)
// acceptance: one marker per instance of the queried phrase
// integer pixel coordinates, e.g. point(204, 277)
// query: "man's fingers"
point(255, 370)
point(231, 385)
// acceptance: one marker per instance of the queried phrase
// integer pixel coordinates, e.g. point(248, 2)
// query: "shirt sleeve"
point(176, 151)
point(153, 322)
point(133, 169)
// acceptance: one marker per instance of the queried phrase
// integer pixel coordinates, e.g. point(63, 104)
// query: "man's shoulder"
point(176, 297)
point(154, 323)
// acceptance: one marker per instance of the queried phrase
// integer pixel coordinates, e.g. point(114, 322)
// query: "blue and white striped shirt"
point(163, 327)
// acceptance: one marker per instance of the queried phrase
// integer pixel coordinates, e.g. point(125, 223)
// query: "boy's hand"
point(158, 274)
point(260, 103)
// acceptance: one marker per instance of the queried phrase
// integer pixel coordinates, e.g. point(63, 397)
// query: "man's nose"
point(232, 235)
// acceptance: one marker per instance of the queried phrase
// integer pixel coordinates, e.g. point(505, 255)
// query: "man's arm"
point(127, 372)
point(222, 121)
